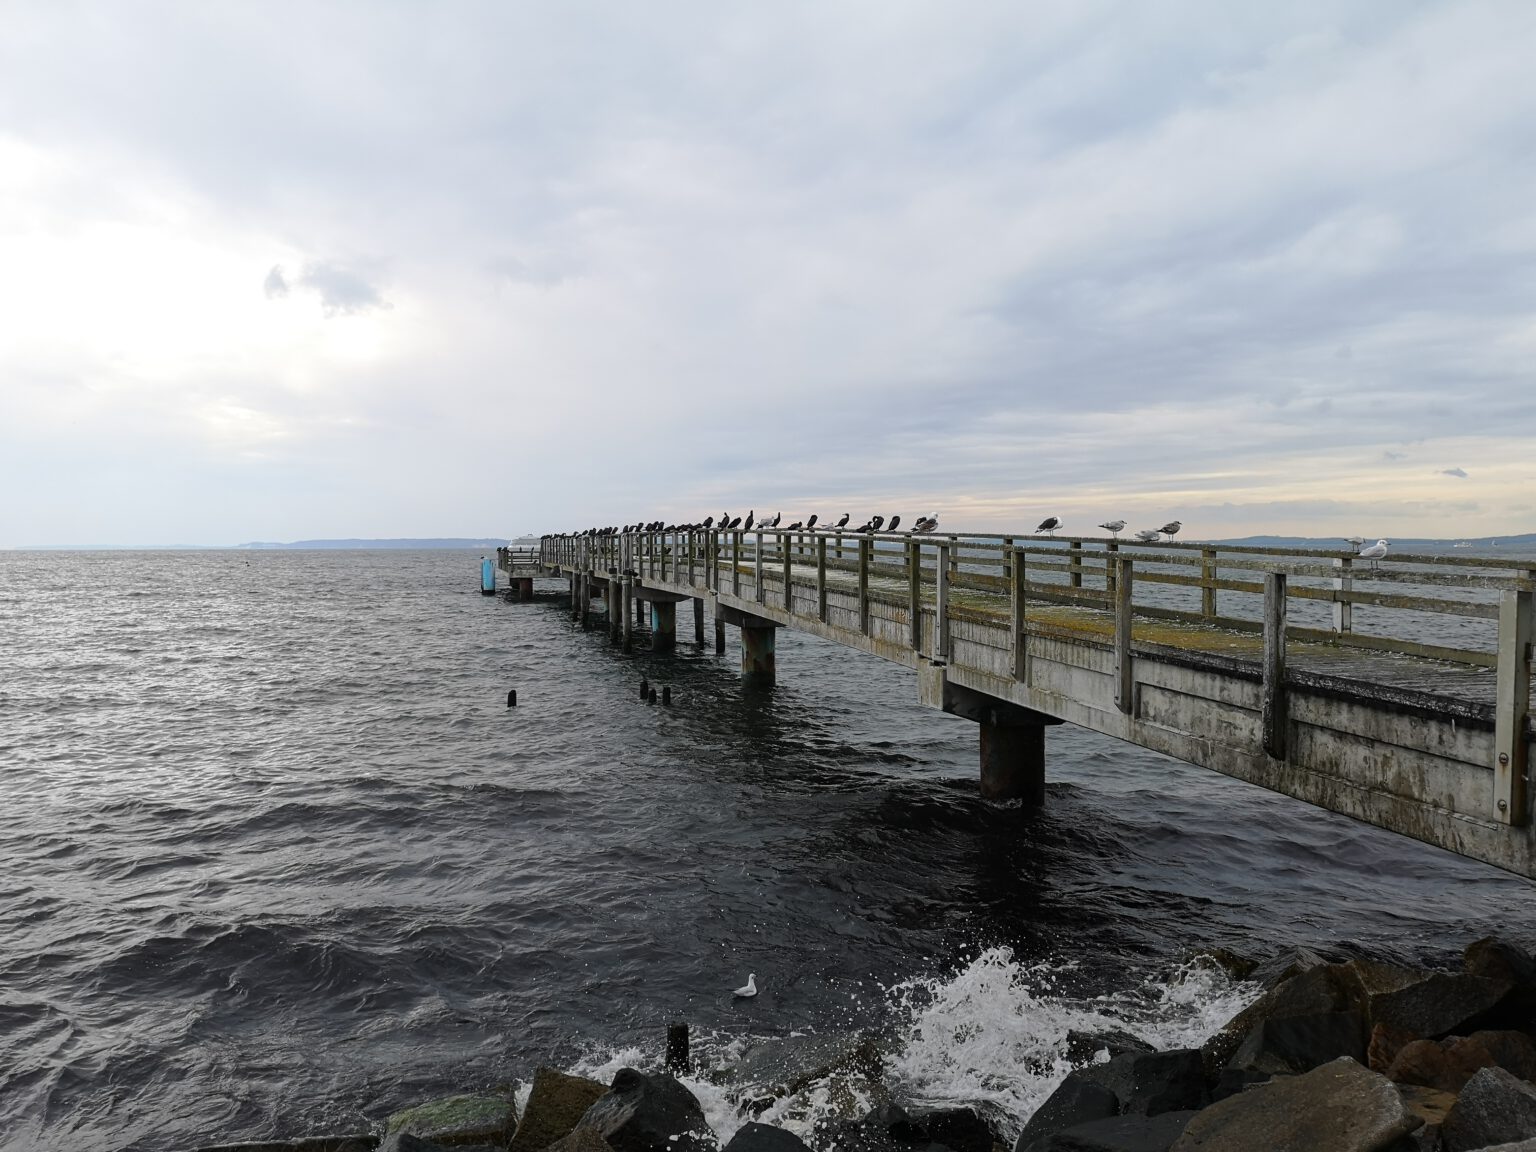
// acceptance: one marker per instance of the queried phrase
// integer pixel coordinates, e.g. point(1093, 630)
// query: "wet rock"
point(894, 1120)
point(581, 1140)
point(1234, 965)
point(1493, 958)
point(1077, 1099)
point(556, 1103)
point(1384, 1045)
point(1147, 1083)
point(1448, 1064)
point(754, 1137)
point(1084, 1047)
point(456, 1120)
point(1517, 1146)
point(644, 1113)
point(409, 1142)
point(352, 1142)
point(1428, 1004)
point(1287, 1044)
point(1119, 1134)
point(1493, 1108)
point(1340, 1107)
point(961, 1129)
point(782, 1067)
point(1235, 1080)
point(1280, 968)
point(1310, 991)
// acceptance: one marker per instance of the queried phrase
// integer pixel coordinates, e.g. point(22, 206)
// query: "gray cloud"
point(1456, 472)
point(276, 284)
point(342, 291)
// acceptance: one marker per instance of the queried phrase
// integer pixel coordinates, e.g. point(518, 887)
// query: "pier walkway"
point(1398, 693)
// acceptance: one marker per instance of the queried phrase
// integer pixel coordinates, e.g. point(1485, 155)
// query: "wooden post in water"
point(821, 578)
point(1273, 709)
point(789, 580)
point(1125, 670)
point(1511, 784)
point(1208, 583)
point(1015, 566)
point(1343, 610)
point(865, 552)
point(941, 607)
point(915, 592)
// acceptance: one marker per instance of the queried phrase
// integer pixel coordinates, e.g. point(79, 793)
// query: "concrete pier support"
point(663, 626)
point(575, 596)
point(525, 588)
point(757, 646)
point(626, 618)
point(1013, 763)
point(698, 621)
point(586, 602)
point(613, 601)
point(719, 636)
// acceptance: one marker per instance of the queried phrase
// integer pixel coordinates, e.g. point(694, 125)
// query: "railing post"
point(1008, 555)
point(1110, 562)
point(941, 607)
point(1016, 584)
point(821, 578)
point(1273, 711)
point(1075, 563)
point(789, 583)
point(736, 564)
point(1208, 583)
point(865, 551)
point(1343, 610)
point(757, 567)
point(1125, 671)
point(915, 592)
point(1511, 783)
point(839, 545)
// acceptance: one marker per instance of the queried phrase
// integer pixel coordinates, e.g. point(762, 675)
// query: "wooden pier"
point(1398, 693)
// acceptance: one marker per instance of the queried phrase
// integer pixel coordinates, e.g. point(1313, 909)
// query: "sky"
point(286, 271)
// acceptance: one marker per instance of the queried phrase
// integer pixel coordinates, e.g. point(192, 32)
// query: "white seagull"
point(1049, 524)
point(749, 989)
point(1147, 535)
point(1113, 527)
point(1171, 528)
point(1374, 553)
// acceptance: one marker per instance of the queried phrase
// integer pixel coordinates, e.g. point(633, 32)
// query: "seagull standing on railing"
point(925, 524)
point(1049, 524)
point(1147, 535)
point(1375, 552)
point(1171, 528)
point(1113, 527)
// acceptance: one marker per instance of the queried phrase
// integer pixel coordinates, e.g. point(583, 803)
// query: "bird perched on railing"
point(795, 527)
point(925, 524)
point(1049, 524)
point(735, 524)
point(811, 523)
point(709, 522)
point(843, 523)
point(876, 523)
point(891, 527)
point(1147, 535)
point(748, 524)
point(1171, 528)
point(1377, 551)
point(777, 516)
point(1113, 527)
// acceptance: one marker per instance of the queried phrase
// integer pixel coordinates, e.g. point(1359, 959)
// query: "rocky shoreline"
point(1330, 1056)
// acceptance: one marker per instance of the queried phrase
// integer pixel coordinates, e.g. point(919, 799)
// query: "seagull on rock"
point(749, 989)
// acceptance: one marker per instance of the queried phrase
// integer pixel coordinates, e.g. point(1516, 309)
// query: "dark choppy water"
point(275, 858)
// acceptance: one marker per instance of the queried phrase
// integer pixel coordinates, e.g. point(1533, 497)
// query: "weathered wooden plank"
point(1125, 687)
point(1511, 791)
point(1273, 705)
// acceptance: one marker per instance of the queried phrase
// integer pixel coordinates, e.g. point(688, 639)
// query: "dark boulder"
point(1493, 1108)
point(1312, 991)
point(1280, 968)
point(1235, 1080)
point(581, 1140)
point(1384, 1045)
point(1077, 1099)
point(1287, 1044)
point(409, 1142)
point(1428, 1004)
point(556, 1103)
point(1147, 1083)
point(784, 1065)
point(1119, 1134)
point(1083, 1047)
point(1448, 1064)
point(457, 1120)
point(754, 1137)
point(644, 1113)
point(1496, 959)
point(1340, 1107)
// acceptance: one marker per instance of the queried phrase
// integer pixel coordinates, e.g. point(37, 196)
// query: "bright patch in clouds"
point(1259, 269)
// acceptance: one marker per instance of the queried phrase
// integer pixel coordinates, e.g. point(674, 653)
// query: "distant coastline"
point(422, 544)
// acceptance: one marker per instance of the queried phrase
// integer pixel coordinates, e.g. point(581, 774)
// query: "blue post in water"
point(487, 577)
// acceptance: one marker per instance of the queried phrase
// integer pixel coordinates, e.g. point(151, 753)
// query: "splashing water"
point(991, 1036)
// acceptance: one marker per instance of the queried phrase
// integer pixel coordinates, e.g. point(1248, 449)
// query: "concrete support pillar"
point(639, 612)
point(663, 626)
point(757, 646)
point(586, 602)
point(575, 597)
point(698, 621)
point(1013, 763)
point(613, 601)
point(525, 588)
point(624, 614)
point(719, 636)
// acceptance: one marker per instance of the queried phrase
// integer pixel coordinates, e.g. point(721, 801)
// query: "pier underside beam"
point(1012, 738)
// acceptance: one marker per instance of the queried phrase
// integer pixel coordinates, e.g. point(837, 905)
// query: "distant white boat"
point(1461, 544)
